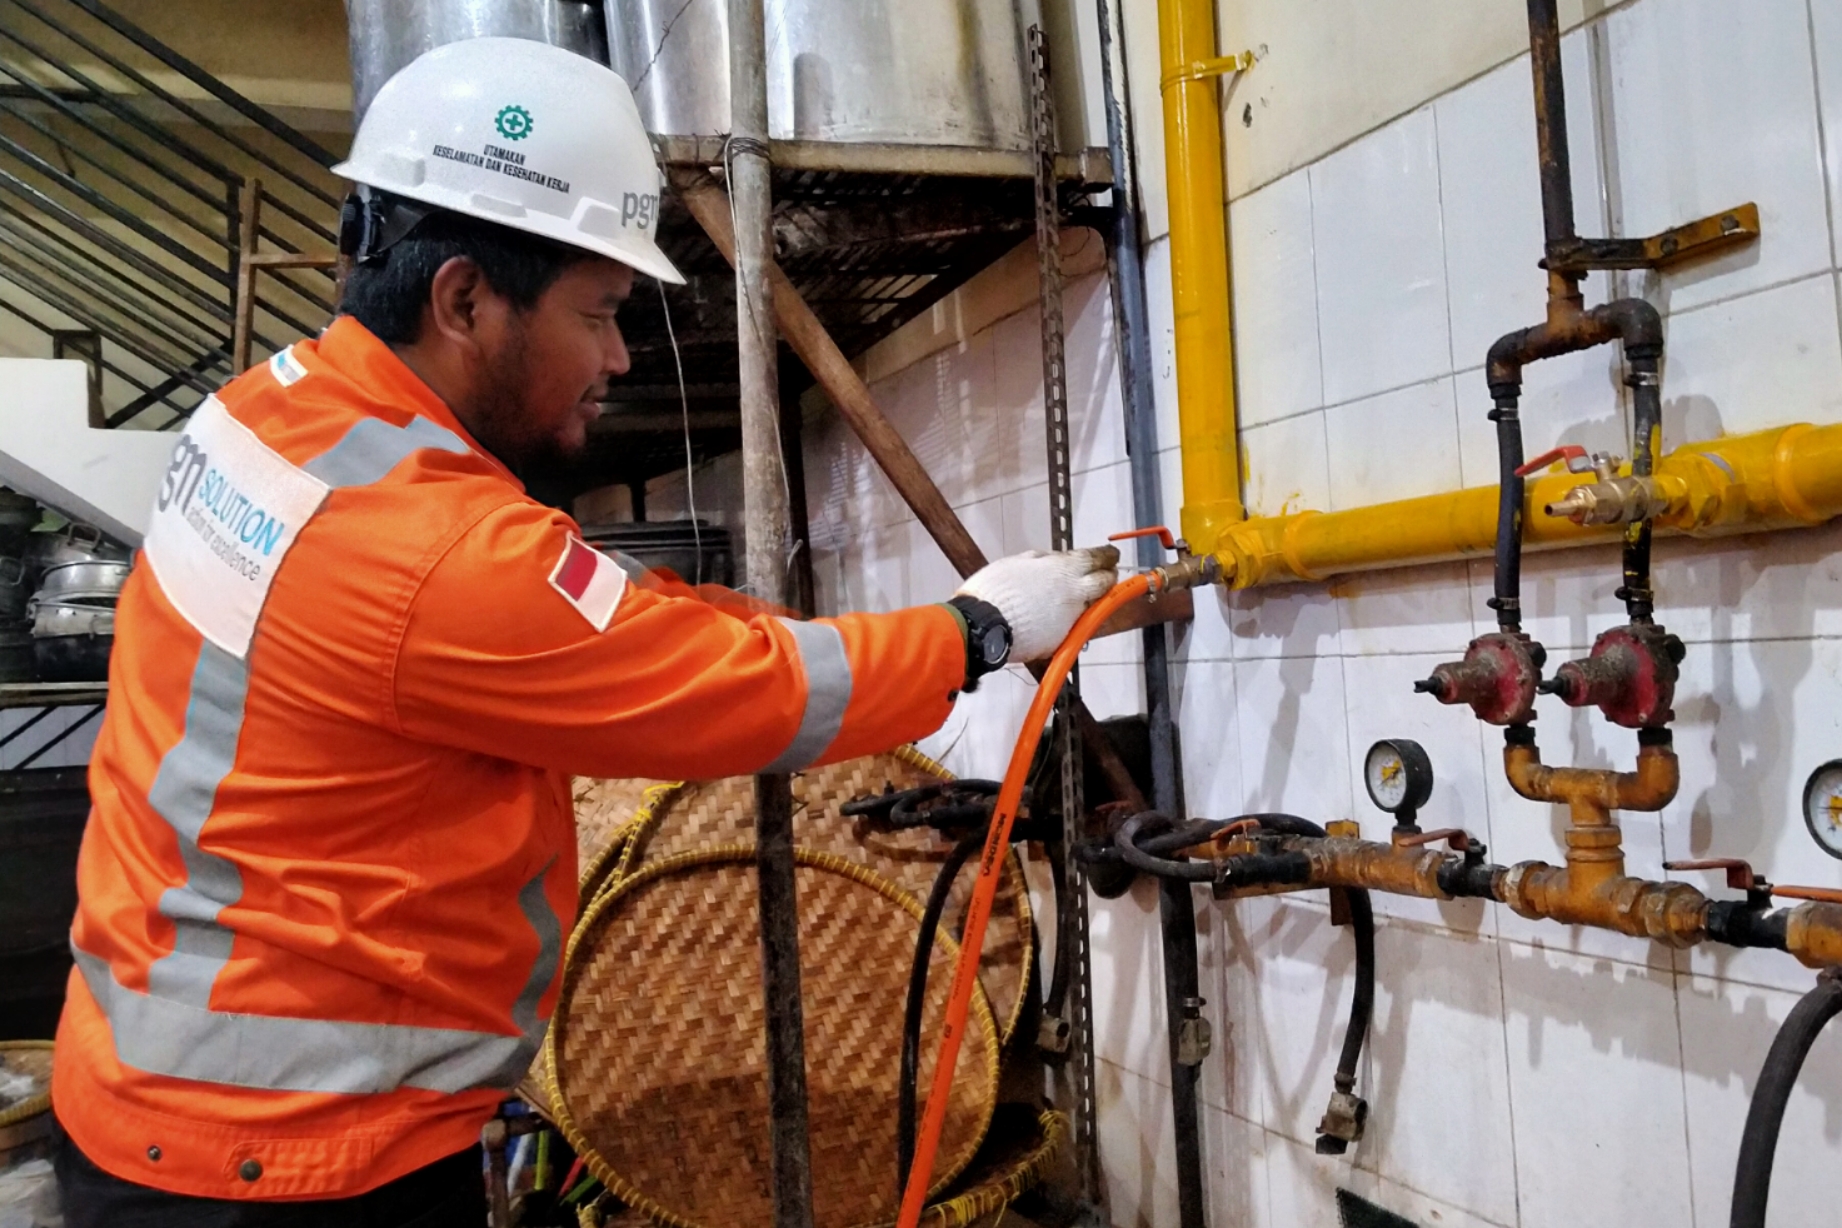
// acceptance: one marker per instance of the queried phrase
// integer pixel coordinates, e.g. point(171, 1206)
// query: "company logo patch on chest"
point(590, 581)
point(229, 510)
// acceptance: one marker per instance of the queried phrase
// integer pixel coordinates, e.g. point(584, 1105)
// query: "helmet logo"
point(513, 123)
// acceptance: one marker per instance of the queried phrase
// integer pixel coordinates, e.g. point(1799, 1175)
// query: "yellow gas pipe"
point(1781, 478)
point(1199, 270)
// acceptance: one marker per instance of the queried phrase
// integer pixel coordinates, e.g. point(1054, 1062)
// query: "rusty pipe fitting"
point(1813, 933)
point(1592, 793)
point(1674, 914)
point(1339, 862)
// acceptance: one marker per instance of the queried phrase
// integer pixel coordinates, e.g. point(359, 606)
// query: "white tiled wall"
point(1520, 1074)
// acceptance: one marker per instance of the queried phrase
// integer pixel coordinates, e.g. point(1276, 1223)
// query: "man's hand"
point(1040, 595)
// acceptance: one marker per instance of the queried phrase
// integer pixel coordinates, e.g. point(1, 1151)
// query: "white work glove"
point(1041, 594)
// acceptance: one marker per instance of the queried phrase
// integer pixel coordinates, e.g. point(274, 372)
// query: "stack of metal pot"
point(79, 576)
point(18, 514)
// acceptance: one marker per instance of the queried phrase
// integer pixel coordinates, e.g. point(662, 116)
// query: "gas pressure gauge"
point(1823, 807)
point(1399, 777)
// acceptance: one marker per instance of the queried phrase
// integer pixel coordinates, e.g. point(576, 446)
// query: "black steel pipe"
point(1752, 1180)
point(905, 1108)
point(1551, 124)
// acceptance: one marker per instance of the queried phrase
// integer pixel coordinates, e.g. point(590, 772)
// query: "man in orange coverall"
point(331, 863)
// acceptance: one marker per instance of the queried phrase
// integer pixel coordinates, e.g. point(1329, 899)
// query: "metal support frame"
point(1072, 926)
point(769, 531)
point(1132, 325)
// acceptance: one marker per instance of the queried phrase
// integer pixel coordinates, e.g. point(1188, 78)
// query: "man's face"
point(548, 368)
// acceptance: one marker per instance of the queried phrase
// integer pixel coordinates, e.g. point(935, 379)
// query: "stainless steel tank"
point(387, 34)
point(911, 72)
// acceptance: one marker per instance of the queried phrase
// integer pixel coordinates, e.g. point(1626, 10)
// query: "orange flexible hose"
point(991, 861)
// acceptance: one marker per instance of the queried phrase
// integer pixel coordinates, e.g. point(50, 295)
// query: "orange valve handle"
point(1572, 453)
point(991, 862)
point(1157, 531)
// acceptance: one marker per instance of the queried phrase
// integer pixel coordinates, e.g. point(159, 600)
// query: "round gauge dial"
point(1823, 807)
point(1399, 775)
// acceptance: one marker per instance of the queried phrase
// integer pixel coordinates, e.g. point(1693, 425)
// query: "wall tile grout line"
point(1822, 153)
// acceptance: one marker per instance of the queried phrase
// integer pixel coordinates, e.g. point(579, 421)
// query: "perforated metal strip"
point(1073, 929)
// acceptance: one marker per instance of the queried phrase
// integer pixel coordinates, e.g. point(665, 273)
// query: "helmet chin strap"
point(372, 222)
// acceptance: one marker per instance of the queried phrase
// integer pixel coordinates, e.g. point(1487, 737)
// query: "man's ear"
point(455, 299)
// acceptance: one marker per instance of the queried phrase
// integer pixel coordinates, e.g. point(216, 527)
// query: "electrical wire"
point(684, 405)
point(917, 1001)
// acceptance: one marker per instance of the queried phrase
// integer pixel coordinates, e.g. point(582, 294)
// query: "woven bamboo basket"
point(1015, 1158)
point(722, 812)
point(657, 1049)
point(26, 1126)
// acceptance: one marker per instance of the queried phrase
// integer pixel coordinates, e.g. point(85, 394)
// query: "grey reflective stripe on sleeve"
point(828, 693)
point(373, 447)
point(183, 793)
point(272, 1053)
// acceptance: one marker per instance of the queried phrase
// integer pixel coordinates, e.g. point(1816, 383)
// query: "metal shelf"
point(871, 236)
point(52, 694)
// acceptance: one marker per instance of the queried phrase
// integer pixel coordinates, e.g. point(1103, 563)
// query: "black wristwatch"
point(988, 638)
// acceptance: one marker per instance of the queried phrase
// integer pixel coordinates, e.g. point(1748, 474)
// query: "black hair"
point(386, 294)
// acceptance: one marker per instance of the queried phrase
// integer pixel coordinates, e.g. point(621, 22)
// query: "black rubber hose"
point(917, 1001)
point(1161, 867)
point(1646, 435)
point(1507, 601)
point(1752, 1182)
point(1362, 1003)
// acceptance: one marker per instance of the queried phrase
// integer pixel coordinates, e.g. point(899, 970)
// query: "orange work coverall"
point(331, 861)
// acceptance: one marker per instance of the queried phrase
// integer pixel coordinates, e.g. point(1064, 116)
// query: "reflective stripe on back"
point(181, 1041)
point(183, 792)
point(171, 1030)
point(828, 693)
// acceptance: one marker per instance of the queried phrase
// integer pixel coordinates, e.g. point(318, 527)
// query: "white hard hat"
point(524, 134)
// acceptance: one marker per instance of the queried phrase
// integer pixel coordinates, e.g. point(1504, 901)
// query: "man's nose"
point(616, 360)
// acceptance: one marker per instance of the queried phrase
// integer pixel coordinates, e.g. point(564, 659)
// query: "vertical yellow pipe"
point(1199, 273)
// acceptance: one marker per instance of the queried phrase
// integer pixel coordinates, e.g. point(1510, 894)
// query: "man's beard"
point(503, 421)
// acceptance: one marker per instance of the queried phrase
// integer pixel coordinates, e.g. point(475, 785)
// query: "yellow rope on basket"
point(32, 1106)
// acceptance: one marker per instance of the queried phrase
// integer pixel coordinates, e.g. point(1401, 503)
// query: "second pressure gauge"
point(1399, 777)
point(1823, 807)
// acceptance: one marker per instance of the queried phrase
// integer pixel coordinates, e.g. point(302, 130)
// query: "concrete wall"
point(1385, 227)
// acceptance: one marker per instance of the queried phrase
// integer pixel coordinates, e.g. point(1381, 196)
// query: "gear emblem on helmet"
point(513, 123)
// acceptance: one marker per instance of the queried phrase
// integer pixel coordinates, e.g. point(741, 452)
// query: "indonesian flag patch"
point(590, 581)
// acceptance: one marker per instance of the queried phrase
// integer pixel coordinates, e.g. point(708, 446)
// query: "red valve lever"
point(1739, 873)
point(1572, 453)
point(1158, 531)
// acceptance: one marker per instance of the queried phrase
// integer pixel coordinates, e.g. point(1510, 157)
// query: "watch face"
point(996, 644)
